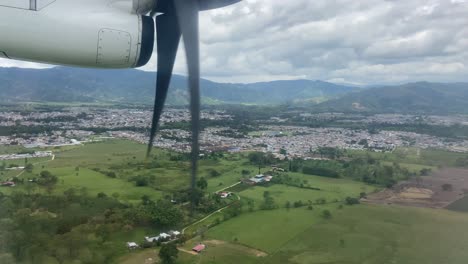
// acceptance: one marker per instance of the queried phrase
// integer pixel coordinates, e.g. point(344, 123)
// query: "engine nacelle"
point(89, 33)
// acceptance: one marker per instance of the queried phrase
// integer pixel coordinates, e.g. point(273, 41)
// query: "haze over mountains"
point(63, 84)
point(420, 97)
point(90, 85)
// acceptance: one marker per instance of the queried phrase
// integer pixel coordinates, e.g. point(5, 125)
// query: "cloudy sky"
point(343, 41)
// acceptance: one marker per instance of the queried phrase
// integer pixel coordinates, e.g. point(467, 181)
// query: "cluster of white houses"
point(163, 237)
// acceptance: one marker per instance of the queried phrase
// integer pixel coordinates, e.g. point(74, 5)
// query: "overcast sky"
point(348, 41)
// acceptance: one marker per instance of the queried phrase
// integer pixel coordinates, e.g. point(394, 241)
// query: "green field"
point(358, 234)
point(126, 159)
point(265, 230)
point(459, 205)
point(428, 157)
point(283, 194)
point(95, 183)
point(353, 235)
point(416, 168)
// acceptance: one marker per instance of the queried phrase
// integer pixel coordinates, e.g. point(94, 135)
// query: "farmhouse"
point(199, 248)
point(259, 179)
point(276, 168)
point(132, 245)
point(8, 184)
point(224, 194)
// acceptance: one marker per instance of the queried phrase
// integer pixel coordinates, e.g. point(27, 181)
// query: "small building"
point(174, 234)
point(276, 168)
point(224, 194)
point(8, 184)
point(259, 179)
point(199, 248)
point(152, 239)
point(132, 245)
point(164, 236)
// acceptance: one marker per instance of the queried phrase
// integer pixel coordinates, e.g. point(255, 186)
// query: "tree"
point(298, 204)
point(164, 214)
point(214, 173)
point(168, 253)
point(351, 201)
point(268, 202)
point(29, 167)
point(47, 180)
point(447, 187)
point(202, 183)
point(326, 214)
point(283, 151)
point(425, 172)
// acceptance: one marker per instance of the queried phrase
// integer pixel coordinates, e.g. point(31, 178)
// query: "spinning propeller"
point(180, 18)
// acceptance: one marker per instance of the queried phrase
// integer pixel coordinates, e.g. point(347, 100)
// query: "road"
point(215, 212)
point(21, 173)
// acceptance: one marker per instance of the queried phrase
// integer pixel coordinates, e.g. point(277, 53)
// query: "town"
point(75, 125)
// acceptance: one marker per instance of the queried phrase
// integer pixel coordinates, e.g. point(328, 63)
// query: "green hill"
point(421, 97)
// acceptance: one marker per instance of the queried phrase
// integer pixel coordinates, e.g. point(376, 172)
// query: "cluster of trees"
point(371, 171)
point(74, 226)
point(330, 153)
point(26, 130)
point(284, 178)
point(268, 202)
point(366, 169)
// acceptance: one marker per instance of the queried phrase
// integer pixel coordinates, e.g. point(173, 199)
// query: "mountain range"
point(63, 84)
point(419, 97)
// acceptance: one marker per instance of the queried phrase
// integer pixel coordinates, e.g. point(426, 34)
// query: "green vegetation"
point(282, 194)
point(460, 205)
point(358, 234)
point(92, 199)
point(422, 97)
point(265, 230)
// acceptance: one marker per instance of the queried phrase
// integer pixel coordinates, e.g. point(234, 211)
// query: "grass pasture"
point(333, 190)
point(428, 157)
point(354, 235)
point(416, 168)
point(381, 234)
point(459, 205)
point(265, 230)
point(95, 183)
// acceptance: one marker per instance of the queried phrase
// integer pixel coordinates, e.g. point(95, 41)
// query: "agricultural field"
point(438, 190)
point(283, 194)
point(86, 166)
point(413, 156)
point(459, 205)
point(358, 234)
point(364, 233)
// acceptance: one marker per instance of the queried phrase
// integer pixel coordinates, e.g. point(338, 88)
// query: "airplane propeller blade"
point(168, 38)
point(180, 18)
point(187, 13)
